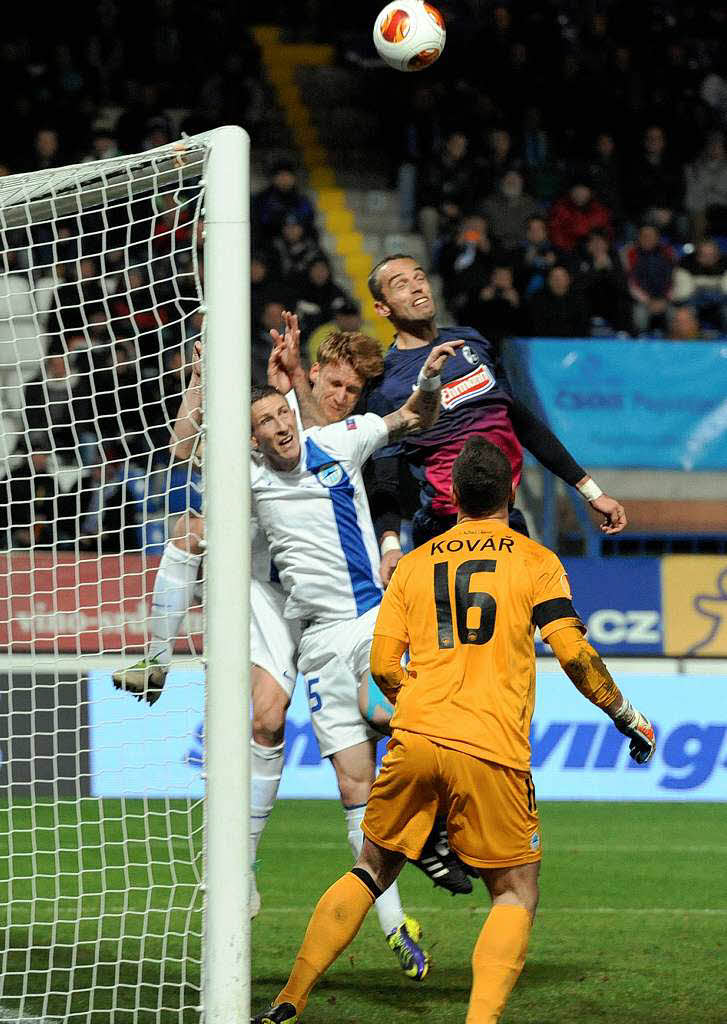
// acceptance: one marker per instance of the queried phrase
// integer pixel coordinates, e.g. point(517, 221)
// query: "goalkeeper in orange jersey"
point(465, 604)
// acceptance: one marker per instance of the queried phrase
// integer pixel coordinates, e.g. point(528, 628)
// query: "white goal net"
point(102, 819)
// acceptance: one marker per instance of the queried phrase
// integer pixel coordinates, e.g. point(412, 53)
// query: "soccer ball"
point(409, 34)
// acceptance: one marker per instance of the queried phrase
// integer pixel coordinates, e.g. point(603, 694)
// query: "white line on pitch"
point(706, 911)
point(28, 1020)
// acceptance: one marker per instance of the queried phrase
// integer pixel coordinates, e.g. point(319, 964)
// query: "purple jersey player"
point(476, 400)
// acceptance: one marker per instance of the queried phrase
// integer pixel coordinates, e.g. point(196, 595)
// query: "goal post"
point(227, 416)
point(124, 855)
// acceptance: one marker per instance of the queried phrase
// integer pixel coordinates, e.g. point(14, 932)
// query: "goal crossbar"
point(64, 192)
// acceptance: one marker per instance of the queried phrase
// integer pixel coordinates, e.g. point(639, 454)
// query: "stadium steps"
point(298, 92)
point(341, 153)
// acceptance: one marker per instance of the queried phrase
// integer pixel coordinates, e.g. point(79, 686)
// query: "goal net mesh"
point(101, 818)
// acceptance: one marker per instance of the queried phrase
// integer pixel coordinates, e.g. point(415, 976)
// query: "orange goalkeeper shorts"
point(492, 817)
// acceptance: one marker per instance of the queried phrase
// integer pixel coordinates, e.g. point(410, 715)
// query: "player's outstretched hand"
point(614, 516)
point(439, 356)
point(277, 374)
point(289, 342)
point(639, 729)
point(284, 362)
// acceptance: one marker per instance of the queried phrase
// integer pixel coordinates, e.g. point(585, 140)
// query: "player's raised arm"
point(189, 417)
point(541, 442)
point(286, 373)
point(421, 410)
point(584, 667)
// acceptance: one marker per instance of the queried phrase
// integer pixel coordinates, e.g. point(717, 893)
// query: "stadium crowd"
point(565, 165)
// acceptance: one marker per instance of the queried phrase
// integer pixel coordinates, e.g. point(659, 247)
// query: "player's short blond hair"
point(359, 350)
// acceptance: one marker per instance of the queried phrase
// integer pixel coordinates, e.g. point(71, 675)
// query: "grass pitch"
point(632, 921)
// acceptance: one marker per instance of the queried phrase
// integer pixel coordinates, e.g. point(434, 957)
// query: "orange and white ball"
point(409, 35)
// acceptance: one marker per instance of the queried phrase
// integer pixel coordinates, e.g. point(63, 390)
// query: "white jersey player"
point(345, 362)
point(309, 499)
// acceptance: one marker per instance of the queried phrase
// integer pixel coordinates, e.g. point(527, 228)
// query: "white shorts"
point(332, 656)
point(273, 638)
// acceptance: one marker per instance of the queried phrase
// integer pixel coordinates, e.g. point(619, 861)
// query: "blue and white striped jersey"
point(317, 521)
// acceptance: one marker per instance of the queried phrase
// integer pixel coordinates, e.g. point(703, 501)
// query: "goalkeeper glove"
point(629, 721)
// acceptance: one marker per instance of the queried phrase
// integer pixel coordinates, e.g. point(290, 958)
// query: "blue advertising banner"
point(578, 755)
point(619, 600)
point(641, 404)
point(141, 751)
point(576, 752)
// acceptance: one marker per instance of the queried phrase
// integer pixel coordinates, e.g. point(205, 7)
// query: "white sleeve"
point(356, 438)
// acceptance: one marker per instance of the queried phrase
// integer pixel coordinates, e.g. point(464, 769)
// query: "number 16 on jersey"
point(467, 603)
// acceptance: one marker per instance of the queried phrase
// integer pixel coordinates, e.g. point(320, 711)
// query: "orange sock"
point(334, 924)
point(497, 960)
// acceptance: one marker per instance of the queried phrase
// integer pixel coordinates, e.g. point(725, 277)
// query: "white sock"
point(388, 906)
point(266, 767)
point(172, 596)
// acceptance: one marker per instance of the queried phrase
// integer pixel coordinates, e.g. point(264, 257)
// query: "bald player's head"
point(401, 290)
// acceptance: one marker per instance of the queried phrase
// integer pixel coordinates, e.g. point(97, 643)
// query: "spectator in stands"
point(104, 144)
point(654, 181)
point(139, 305)
point(46, 149)
point(281, 198)
point(141, 104)
point(79, 291)
point(265, 281)
point(714, 91)
point(346, 317)
point(157, 132)
point(23, 340)
point(542, 168)
point(417, 135)
point(602, 282)
point(683, 324)
point(465, 262)
point(700, 281)
point(112, 502)
point(446, 189)
point(28, 496)
point(316, 294)
point(57, 406)
point(172, 226)
point(499, 158)
point(116, 397)
point(575, 215)
point(649, 265)
point(557, 311)
point(294, 249)
point(606, 176)
point(706, 199)
point(625, 84)
point(536, 142)
point(271, 319)
point(536, 257)
point(495, 310)
point(508, 210)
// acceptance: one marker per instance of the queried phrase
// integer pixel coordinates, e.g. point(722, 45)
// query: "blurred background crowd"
point(564, 168)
